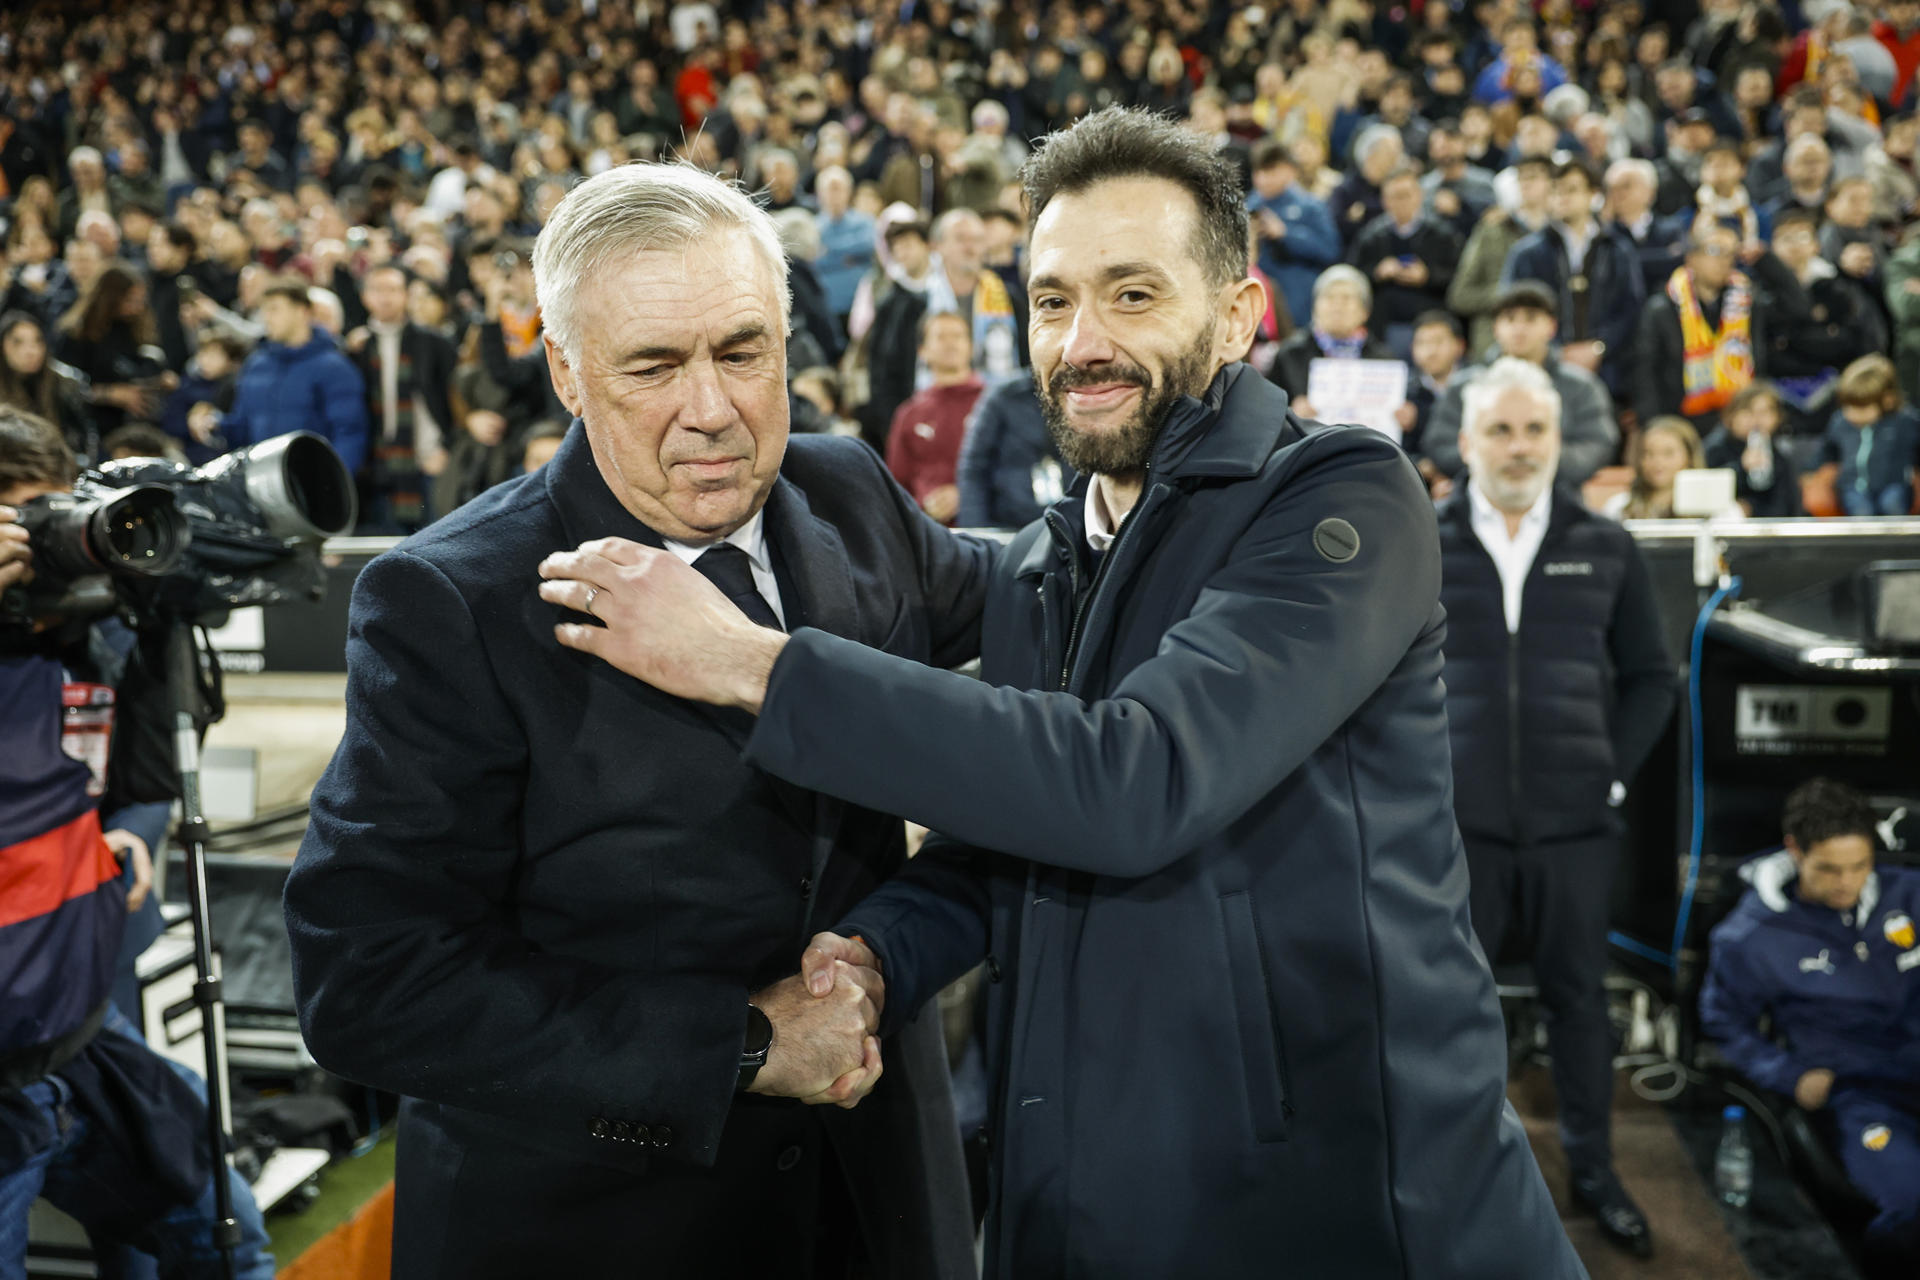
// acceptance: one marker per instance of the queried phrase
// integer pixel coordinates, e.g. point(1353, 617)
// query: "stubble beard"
point(1126, 449)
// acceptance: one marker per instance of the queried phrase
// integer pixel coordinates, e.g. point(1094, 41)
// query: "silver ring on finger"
point(587, 608)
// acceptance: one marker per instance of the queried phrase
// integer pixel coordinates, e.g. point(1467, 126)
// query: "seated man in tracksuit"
point(1826, 946)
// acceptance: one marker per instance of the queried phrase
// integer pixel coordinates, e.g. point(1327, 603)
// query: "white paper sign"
point(1366, 392)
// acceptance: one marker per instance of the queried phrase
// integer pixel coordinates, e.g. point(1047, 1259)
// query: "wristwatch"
point(753, 1053)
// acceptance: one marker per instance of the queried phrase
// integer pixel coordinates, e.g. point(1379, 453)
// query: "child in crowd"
point(542, 442)
point(1664, 448)
point(1873, 441)
point(1766, 482)
point(211, 375)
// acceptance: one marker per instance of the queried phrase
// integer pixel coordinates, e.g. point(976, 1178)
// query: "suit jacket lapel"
point(815, 557)
point(589, 510)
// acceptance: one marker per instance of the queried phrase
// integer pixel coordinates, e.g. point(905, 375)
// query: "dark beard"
point(1126, 450)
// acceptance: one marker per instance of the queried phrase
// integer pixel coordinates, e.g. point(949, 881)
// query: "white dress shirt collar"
point(1513, 553)
point(751, 538)
point(1102, 528)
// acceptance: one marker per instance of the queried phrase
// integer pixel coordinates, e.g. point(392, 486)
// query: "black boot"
point(1599, 1192)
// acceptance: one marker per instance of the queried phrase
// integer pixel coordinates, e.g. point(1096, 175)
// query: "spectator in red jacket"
point(923, 447)
point(1901, 34)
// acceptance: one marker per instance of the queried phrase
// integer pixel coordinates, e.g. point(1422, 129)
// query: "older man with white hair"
point(550, 906)
point(1659, 243)
point(1558, 685)
point(87, 190)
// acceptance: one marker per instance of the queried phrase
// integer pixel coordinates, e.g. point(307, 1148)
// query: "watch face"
point(759, 1036)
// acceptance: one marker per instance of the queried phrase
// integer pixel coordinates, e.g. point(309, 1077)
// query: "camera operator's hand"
point(16, 560)
point(131, 849)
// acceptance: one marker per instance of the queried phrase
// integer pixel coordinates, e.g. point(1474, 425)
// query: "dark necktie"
point(727, 567)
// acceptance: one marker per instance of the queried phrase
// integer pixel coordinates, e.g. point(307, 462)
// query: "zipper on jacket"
point(1063, 538)
point(1127, 526)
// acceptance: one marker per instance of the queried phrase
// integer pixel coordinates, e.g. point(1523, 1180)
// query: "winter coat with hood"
point(1842, 988)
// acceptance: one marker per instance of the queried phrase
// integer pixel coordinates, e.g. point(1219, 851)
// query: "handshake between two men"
point(824, 1048)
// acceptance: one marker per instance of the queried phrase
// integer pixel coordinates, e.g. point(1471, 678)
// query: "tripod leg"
point(183, 685)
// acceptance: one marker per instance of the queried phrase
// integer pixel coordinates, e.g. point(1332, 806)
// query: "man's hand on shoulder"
point(663, 622)
point(824, 1049)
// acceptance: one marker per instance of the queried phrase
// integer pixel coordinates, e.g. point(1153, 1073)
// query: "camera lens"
point(142, 532)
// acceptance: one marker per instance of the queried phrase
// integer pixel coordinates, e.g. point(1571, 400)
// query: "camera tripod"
point(183, 656)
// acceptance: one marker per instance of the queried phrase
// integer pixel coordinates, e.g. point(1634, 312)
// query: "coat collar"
point(1773, 875)
point(1562, 512)
point(807, 547)
point(1227, 432)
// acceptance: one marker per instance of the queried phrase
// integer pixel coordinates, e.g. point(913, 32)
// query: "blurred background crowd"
point(227, 221)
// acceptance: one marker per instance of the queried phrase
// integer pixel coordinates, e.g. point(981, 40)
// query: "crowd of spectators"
point(227, 221)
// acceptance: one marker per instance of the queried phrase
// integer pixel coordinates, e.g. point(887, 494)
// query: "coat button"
point(993, 969)
point(788, 1158)
point(621, 1131)
point(662, 1135)
point(639, 1133)
point(806, 887)
point(599, 1129)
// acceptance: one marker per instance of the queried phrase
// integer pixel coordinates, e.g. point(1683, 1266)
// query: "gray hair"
point(988, 113)
point(85, 155)
point(1505, 374)
point(1642, 169)
point(1342, 274)
point(799, 233)
point(948, 220)
point(633, 208)
point(1566, 104)
point(1375, 135)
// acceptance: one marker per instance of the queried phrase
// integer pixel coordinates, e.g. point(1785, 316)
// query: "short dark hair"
point(179, 237)
point(1727, 145)
point(1754, 392)
point(1270, 153)
point(925, 326)
point(145, 440)
point(1405, 169)
point(1534, 162)
point(907, 227)
point(1127, 142)
point(1578, 166)
point(1526, 295)
point(227, 340)
point(1796, 217)
point(32, 451)
point(994, 213)
point(294, 291)
point(1804, 97)
point(1445, 319)
point(1821, 809)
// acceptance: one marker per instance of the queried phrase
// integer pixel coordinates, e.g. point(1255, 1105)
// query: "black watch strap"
point(753, 1052)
